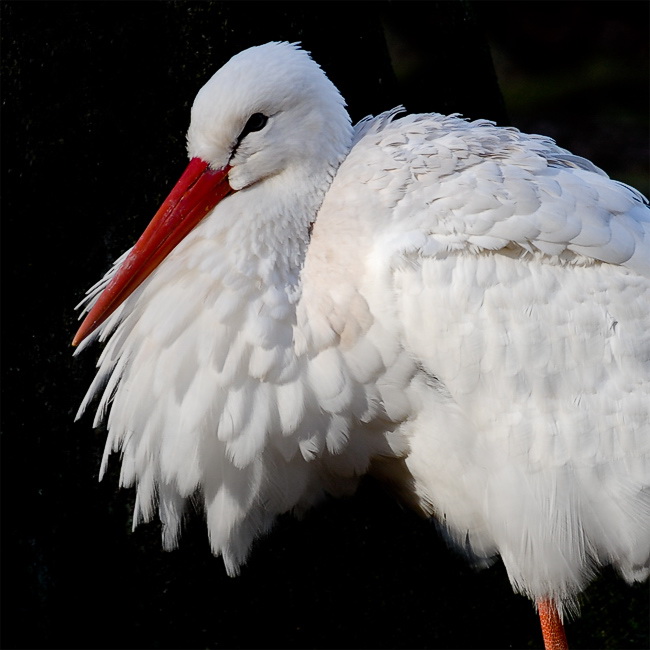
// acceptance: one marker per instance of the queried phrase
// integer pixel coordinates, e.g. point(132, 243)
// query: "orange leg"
point(552, 628)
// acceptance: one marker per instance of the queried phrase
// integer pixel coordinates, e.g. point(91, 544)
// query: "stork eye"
point(256, 122)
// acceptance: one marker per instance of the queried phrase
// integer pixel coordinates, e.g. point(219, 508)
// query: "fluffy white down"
point(471, 299)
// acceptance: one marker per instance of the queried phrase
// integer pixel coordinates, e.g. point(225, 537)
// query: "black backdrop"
point(95, 102)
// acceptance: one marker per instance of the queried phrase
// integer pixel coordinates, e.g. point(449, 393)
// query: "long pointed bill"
point(197, 191)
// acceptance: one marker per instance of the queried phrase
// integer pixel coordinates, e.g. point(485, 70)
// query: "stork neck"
point(265, 228)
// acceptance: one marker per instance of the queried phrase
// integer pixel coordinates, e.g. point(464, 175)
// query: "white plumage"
point(459, 308)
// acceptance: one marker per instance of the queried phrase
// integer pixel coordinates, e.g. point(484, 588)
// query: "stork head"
point(269, 111)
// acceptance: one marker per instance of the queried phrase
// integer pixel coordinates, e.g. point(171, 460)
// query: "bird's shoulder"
point(437, 184)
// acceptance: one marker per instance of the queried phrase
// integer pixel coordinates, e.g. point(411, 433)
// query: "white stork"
point(460, 309)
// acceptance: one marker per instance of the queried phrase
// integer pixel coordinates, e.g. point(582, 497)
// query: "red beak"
point(197, 191)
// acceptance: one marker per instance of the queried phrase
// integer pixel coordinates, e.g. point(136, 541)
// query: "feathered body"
point(460, 308)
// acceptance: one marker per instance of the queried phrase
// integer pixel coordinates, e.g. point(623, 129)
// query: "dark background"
point(95, 101)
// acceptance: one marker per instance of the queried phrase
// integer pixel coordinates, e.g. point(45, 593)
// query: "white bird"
point(458, 308)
